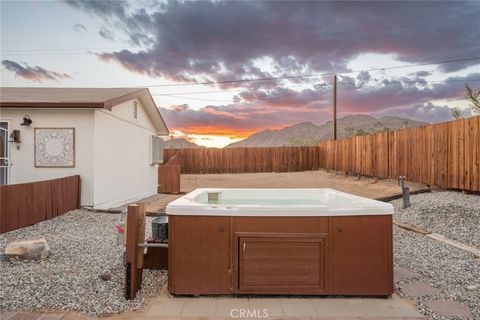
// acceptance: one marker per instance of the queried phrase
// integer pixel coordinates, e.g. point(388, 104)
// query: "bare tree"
point(474, 97)
point(456, 113)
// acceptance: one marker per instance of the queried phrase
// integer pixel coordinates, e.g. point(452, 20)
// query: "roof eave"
point(108, 104)
point(56, 105)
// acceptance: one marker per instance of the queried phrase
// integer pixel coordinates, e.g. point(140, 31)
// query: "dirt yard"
point(364, 187)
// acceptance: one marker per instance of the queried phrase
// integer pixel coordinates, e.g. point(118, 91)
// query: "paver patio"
point(225, 307)
point(268, 308)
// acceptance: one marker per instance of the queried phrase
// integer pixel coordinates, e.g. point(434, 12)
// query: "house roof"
point(70, 98)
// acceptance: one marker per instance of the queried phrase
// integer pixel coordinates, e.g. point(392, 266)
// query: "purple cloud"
point(106, 34)
point(427, 112)
point(198, 41)
point(36, 73)
point(79, 28)
point(201, 41)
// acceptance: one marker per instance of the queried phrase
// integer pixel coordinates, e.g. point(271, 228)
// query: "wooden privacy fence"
point(444, 154)
point(245, 160)
point(25, 204)
point(169, 176)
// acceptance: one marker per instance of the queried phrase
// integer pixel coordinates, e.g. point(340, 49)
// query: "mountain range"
point(307, 133)
point(179, 143)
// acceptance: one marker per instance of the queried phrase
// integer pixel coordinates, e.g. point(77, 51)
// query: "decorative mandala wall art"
point(54, 147)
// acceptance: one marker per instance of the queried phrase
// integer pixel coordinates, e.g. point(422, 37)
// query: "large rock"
point(27, 250)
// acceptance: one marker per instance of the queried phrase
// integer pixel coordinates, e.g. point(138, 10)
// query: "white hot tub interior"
point(275, 201)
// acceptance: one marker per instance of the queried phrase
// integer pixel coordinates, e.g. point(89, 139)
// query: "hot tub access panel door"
point(283, 264)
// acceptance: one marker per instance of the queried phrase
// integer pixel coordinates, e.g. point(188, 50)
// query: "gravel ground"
point(83, 245)
point(452, 214)
point(439, 265)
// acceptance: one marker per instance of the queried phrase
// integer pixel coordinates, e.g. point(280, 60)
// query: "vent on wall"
point(135, 110)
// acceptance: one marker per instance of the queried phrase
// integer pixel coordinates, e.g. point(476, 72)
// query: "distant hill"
point(307, 133)
point(179, 143)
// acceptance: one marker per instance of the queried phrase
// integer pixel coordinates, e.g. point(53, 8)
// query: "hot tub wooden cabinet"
point(287, 249)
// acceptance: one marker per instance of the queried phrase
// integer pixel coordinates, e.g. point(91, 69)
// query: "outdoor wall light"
point(15, 136)
point(26, 121)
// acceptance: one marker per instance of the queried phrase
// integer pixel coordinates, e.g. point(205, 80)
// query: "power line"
point(314, 75)
point(195, 92)
point(323, 84)
point(179, 94)
point(387, 82)
point(191, 98)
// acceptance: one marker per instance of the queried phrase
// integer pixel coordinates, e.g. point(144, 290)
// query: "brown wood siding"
point(199, 254)
point(295, 255)
point(361, 255)
point(25, 204)
point(274, 263)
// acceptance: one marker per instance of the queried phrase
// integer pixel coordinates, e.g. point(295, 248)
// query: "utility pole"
point(335, 107)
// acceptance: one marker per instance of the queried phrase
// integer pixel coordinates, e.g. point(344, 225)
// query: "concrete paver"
point(331, 308)
point(200, 306)
point(297, 307)
point(448, 308)
point(274, 306)
point(51, 316)
point(419, 289)
point(166, 308)
point(226, 306)
point(400, 274)
point(399, 307)
point(366, 307)
point(26, 316)
point(6, 315)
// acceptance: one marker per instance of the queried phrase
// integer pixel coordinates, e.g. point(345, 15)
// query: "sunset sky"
point(204, 61)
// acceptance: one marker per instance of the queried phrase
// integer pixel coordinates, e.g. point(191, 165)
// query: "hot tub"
point(279, 241)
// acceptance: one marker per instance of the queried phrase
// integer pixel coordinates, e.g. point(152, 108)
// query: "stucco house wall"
point(122, 154)
point(22, 167)
point(113, 139)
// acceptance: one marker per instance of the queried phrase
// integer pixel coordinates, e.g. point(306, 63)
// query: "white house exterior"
point(113, 134)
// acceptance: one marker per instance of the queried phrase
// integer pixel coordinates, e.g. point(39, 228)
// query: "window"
point(157, 150)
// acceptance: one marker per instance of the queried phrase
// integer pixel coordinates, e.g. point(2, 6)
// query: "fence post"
point(135, 234)
point(79, 193)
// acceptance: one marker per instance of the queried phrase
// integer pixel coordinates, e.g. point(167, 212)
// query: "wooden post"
point(135, 234)
point(79, 194)
point(335, 107)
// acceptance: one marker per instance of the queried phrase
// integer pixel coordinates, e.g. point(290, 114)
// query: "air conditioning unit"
point(157, 150)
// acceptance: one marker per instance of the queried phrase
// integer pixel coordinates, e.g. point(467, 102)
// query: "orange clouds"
point(231, 132)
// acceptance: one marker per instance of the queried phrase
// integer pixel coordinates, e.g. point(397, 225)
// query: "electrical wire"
point(315, 75)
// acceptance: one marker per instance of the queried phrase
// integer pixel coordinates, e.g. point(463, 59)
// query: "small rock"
point(471, 288)
point(27, 250)
point(105, 276)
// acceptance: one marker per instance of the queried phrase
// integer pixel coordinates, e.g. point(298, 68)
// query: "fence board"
point(243, 160)
point(445, 154)
point(28, 203)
